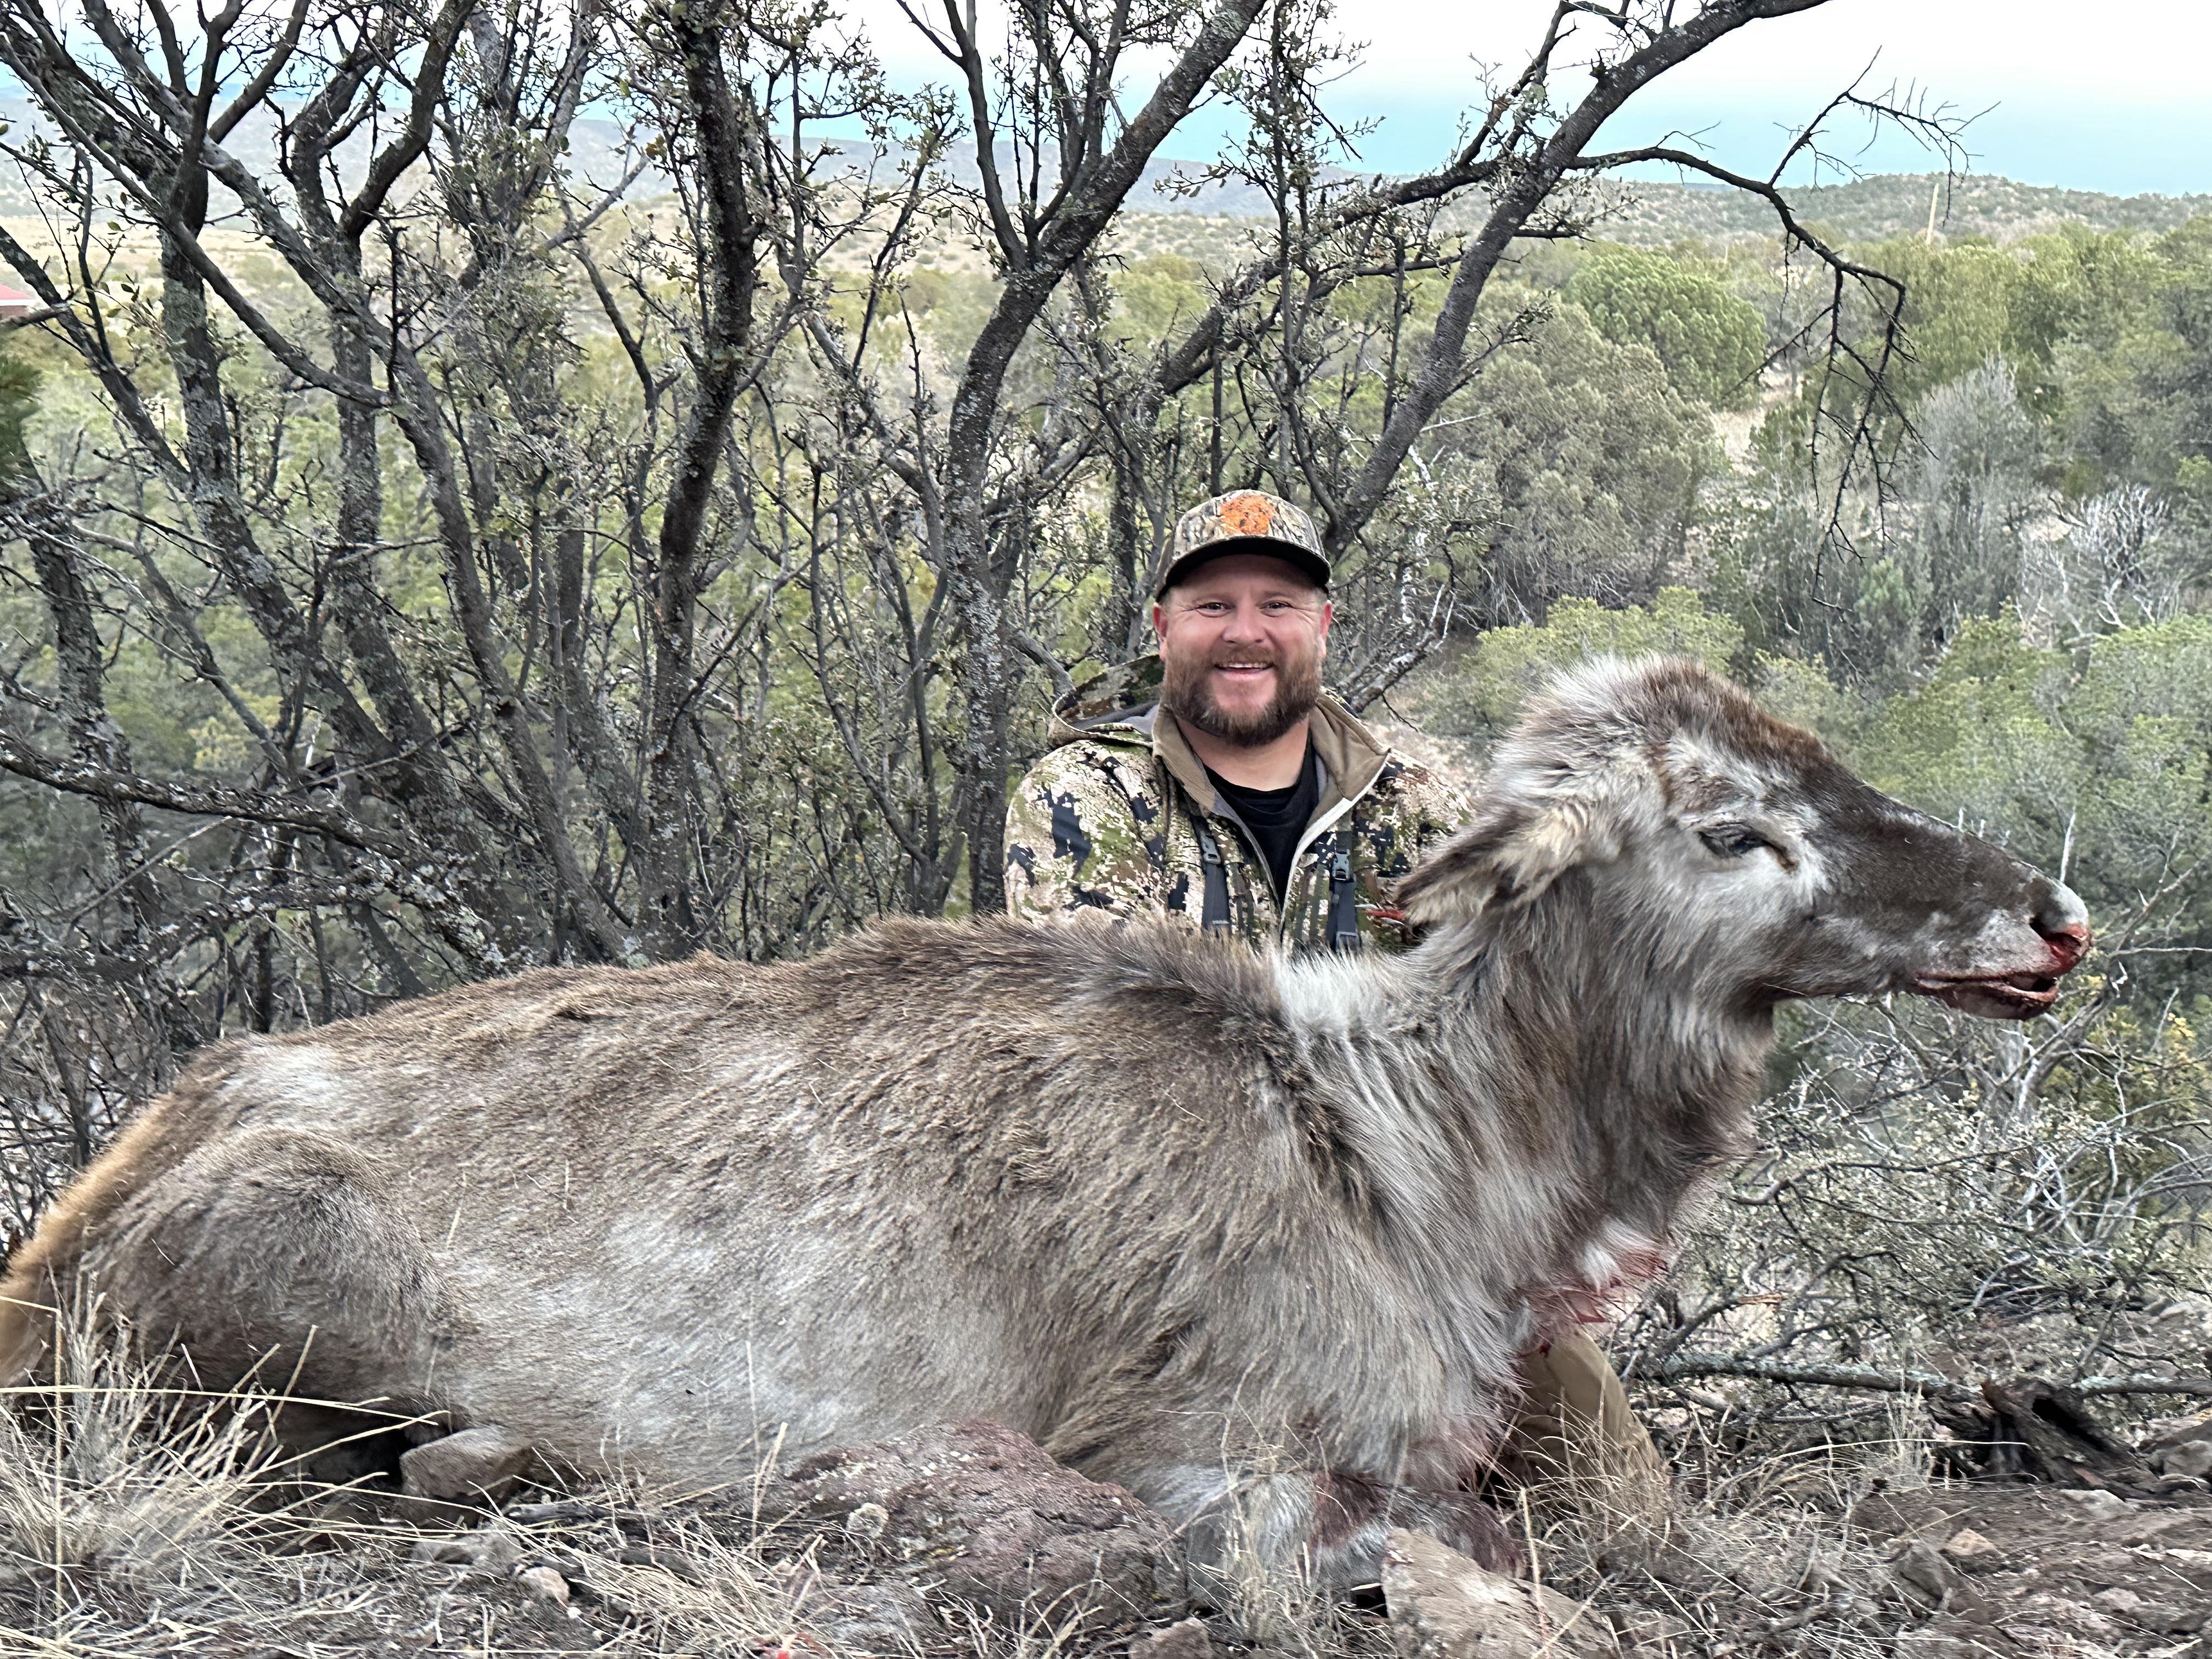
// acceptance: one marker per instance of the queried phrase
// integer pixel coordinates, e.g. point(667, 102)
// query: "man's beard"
point(1185, 693)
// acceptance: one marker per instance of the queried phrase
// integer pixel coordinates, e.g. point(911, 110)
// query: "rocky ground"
point(2025, 1570)
point(968, 1541)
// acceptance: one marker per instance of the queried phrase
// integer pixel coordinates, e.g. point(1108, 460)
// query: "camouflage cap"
point(1244, 521)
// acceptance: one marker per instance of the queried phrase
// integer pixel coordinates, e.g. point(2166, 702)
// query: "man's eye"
point(1733, 841)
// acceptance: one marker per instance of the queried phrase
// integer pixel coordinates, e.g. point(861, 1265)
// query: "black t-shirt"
point(1276, 818)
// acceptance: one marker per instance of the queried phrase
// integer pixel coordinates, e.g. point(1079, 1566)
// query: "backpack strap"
point(1216, 918)
point(1343, 897)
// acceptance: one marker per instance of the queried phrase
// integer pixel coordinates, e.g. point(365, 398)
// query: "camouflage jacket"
point(1117, 818)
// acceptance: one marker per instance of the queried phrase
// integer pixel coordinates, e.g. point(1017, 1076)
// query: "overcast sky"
point(2094, 97)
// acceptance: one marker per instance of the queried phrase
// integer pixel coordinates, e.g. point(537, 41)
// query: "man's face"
point(1242, 640)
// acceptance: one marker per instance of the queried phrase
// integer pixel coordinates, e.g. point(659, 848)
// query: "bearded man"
point(1216, 785)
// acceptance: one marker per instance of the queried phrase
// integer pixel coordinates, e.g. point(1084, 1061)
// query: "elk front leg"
point(1241, 1526)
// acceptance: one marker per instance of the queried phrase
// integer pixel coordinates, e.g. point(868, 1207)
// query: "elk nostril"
point(2063, 920)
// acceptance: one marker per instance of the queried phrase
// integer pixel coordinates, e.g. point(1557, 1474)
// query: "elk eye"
point(1733, 841)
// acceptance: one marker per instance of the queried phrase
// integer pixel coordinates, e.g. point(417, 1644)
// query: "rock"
point(477, 1466)
point(1924, 1575)
point(496, 1551)
point(2132, 1608)
point(1443, 1606)
point(2191, 1457)
point(1970, 1552)
point(885, 1617)
point(1187, 1640)
point(992, 1520)
point(2094, 1506)
point(2169, 1621)
point(2176, 1432)
point(674, 1563)
point(866, 1524)
point(2145, 1525)
point(493, 1551)
point(544, 1584)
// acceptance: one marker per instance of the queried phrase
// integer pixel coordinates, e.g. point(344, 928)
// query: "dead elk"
point(1258, 1239)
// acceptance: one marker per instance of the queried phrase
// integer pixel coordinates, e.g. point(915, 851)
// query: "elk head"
point(1729, 851)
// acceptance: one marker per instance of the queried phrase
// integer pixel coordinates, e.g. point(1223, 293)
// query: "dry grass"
point(1758, 1552)
point(111, 1476)
point(142, 1519)
point(136, 1520)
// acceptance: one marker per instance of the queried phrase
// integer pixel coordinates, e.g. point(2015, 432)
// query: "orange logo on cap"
point(1251, 515)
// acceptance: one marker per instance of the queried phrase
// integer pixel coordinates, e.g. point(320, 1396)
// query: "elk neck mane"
point(1531, 1089)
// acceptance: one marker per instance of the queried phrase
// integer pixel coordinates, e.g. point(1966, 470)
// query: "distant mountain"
point(601, 154)
point(1654, 213)
point(1647, 212)
point(1887, 204)
point(1659, 212)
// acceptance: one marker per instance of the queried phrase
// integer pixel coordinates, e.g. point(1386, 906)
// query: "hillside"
point(1889, 205)
point(1647, 212)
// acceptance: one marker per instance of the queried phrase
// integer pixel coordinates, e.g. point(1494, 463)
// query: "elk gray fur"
point(1259, 1239)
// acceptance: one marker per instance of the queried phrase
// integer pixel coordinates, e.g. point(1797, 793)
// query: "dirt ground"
point(134, 1524)
point(2037, 1571)
point(1945, 1572)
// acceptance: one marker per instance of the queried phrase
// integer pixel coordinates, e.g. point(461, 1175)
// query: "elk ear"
point(1507, 858)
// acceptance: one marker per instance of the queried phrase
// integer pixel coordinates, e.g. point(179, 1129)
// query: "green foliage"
point(1977, 739)
point(1979, 489)
point(2163, 405)
point(2109, 333)
point(1775, 566)
point(1486, 689)
point(1158, 295)
point(1710, 341)
point(1589, 461)
point(2100, 761)
point(1959, 307)
point(1966, 303)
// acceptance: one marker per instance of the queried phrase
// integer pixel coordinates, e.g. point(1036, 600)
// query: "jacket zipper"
point(1320, 827)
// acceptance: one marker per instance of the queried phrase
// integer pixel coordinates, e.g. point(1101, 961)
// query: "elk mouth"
point(1991, 996)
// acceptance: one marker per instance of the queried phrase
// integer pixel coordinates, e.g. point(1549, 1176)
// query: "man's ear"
point(1507, 857)
point(1159, 618)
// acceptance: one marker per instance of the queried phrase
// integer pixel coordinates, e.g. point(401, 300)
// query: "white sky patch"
point(2000, 46)
point(2084, 98)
